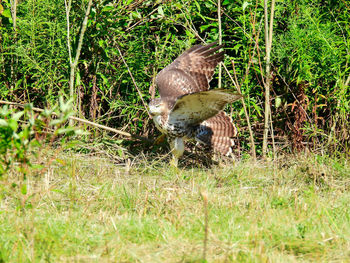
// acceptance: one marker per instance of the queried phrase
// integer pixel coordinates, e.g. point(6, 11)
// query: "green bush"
point(23, 133)
point(310, 59)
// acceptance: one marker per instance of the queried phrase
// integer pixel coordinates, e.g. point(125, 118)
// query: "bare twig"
point(140, 22)
point(234, 21)
point(269, 75)
point(220, 39)
point(268, 44)
point(271, 23)
point(256, 48)
point(347, 81)
point(74, 63)
point(251, 134)
point(68, 6)
point(206, 223)
point(133, 80)
point(126, 134)
point(272, 137)
point(13, 64)
point(238, 87)
point(14, 13)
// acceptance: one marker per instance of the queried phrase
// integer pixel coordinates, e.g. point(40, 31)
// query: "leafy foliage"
point(310, 60)
point(313, 54)
point(23, 132)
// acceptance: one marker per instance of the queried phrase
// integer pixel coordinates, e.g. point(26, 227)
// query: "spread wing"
point(194, 108)
point(190, 72)
point(217, 132)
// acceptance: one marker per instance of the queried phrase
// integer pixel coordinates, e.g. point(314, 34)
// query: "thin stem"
point(268, 44)
point(14, 13)
point(271, 23)
point(220, 40)
point(272, 137)
point(82, 32)
point(251, 134)
point(133, 80)
point(74, 63)
point(206, 224)
point(68, 29)
point(347, 81)
point(126, 134)
point(13, 63)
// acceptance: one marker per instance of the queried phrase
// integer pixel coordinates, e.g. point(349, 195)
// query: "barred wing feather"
point(194, 108)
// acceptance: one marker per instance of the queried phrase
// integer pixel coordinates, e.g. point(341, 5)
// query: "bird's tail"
point(217, 132)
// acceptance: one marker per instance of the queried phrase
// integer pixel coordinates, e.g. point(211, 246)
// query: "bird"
point(187, 108)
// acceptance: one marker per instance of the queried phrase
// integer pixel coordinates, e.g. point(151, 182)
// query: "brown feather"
point(194, 108)
point(217, 133)
point(190, 72)
point(188, 102)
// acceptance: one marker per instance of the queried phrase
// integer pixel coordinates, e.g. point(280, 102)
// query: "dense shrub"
point(310, 58)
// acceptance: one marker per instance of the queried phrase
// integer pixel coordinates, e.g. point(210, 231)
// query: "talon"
point(159, 140)
point(174, 162)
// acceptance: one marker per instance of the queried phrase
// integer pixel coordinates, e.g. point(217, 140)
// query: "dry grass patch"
point(87, 209)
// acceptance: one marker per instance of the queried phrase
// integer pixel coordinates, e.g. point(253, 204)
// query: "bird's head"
point(156, 107)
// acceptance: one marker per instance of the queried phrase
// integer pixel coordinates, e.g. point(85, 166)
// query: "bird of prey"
point(187, 108)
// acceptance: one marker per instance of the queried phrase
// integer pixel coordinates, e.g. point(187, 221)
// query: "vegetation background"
point(309, 61)
point(99, 59)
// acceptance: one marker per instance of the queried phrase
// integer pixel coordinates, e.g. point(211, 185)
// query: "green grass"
point(85, 209)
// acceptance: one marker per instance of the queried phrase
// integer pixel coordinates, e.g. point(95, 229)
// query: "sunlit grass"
point(90, 210)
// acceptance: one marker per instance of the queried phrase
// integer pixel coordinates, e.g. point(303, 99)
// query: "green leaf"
point(24, 189)
point(18, 83)
point(160, 10)
point(3, 123)
point(78, 79)
point(55, 122)
point(104, 78)
point(120, 153)
point(24, 134)
point(257, 109)
point(17, 115)
point(189, 34)
point(107, 8)
point(198, 6)
point(7, 13)
point(61, 161)
point(278, 102)
point(13, 124)
point(65, 130)
point(245, 4)
point(37, 166)
point(204, 27)
point(135, 14)
point(81, 132)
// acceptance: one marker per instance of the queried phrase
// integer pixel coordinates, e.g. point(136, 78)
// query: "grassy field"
point(85, 209)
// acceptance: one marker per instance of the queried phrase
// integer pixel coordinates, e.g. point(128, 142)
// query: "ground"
point(87, 209)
